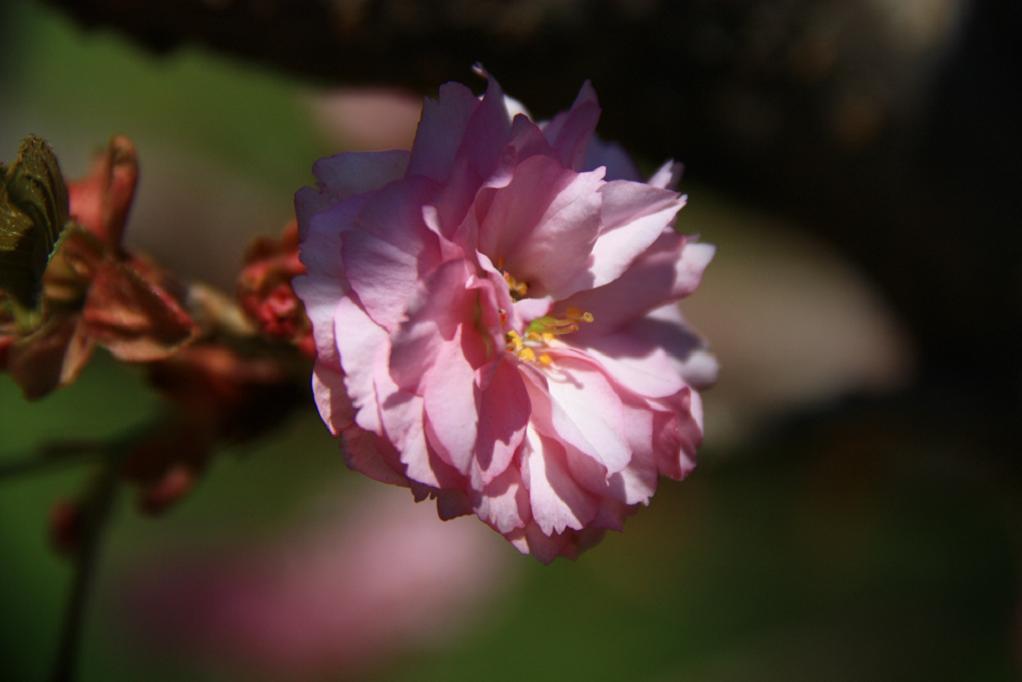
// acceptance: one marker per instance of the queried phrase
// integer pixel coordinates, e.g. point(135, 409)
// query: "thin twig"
point(51, 455)
point(95, 513)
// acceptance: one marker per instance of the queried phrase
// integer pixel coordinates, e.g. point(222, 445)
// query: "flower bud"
point(265, 292)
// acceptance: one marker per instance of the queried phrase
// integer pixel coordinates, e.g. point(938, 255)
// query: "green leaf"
point(33, 214)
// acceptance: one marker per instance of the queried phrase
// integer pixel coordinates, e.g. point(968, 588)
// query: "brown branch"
point(52, 455)
point(95, 513)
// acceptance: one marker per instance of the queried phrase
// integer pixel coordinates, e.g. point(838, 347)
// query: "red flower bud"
point(265, 292)
point(101, 201)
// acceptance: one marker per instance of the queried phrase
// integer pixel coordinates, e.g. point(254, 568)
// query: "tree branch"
point(95, 514)
point(52, 455)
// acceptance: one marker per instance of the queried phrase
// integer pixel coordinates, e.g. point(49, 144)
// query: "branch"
point(95, 513)
point(52, 455)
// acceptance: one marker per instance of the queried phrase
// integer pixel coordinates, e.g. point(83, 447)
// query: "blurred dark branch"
point(95, 511)
point(52, 455)
point(86, 543)
point(889, 128)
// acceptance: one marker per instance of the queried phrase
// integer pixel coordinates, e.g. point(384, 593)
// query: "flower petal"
point(557, 500)
point(669, 270)
point(363, 346)
point(440, 131)
point(569, 132)
point(389, 252)
point(542, 226)
point(372, 455)
point(503, 415)
point(667, 176)
point(611, 156)
point(323, 285)
point(642, 367)
point(633, 216)
point(580, 406)
point(504, 502)
point(666, 328)
point(450, 401)
point(678, 433)
point(350, 173)
point(331, 396)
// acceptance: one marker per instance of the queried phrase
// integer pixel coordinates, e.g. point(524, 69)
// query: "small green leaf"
point(33, 214)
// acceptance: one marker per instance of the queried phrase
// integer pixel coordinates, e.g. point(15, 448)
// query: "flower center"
point(517, 289)
point(541, 332)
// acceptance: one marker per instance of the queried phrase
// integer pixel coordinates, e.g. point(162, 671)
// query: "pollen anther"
point(542, 332)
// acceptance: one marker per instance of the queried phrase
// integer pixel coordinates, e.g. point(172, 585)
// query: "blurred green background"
point(828, 533)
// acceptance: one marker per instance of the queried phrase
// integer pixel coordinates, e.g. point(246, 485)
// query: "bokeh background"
point(856, 513)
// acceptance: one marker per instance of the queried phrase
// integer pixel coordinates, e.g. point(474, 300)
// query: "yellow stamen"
point(514, 341)
point(541, 332)
point(518, 289)
point(576, 315)
point(548, 326)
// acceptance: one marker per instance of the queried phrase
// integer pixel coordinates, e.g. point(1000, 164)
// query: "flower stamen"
point(547, 327)
point(542, 332)
point(517, 289)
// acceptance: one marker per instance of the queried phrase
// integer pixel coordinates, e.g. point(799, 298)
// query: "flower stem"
point(52, 455)
point(95, 514)
point(96, 508)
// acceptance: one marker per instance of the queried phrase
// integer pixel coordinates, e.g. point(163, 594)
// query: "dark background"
point(856, 512)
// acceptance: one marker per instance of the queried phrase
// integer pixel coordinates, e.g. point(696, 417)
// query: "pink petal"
point(636, 364)
point(389, 252)
point(581, 407)
point(440, 131)
point(373, 456)
point(450, 400)
point(668, 271)
point(437, 309)
point(487, 132)
point(346, 175)
point(633, 216)
point(666, 327)
point(504, 502)
point(503, 415)
point(542, 226)
point(556, 256)
point(363, 346)
point(331, 397)
point(526, 140)
point(667, 176)
point(569, 132)
point(323, 285)
point(531, 540)
point(612, 157)
point(557, 500)
point(678, 434)
point(635, 484)
point(404, 426)
point(350, 173)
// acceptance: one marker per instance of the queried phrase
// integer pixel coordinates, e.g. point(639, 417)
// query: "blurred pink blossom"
point(495, 321)
point(364, 582)
point(368, 118)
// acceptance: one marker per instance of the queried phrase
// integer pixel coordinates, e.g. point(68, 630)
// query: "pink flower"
point(495, 321)
point(345, 591)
